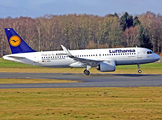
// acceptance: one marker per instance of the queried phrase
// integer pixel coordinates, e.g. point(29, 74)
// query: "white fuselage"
point(121, 56)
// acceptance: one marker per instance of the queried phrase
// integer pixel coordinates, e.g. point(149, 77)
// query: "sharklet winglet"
point(67, 51)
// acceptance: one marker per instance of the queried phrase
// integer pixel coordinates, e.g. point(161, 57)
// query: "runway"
point(94, 80)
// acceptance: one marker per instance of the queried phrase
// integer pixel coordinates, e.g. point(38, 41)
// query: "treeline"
point(85, 31)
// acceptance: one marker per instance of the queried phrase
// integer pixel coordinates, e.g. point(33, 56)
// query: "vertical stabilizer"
point(17, 44)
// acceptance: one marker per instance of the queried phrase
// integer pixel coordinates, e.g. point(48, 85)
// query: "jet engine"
point(106, 66)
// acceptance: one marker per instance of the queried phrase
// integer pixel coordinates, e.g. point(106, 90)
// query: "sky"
point(37, 8)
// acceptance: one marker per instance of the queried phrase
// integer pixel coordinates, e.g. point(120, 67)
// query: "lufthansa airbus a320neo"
point(105, 60)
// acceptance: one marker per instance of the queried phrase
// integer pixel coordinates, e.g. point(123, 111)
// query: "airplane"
point(105, 60)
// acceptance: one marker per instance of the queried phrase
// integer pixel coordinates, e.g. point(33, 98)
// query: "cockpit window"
point(149, 52)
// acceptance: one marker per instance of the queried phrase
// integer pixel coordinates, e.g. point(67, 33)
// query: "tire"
point(139, 71)
point(86, 72)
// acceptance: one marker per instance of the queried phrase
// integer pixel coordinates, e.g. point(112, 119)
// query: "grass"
point(20, 81)
point(8, 66)
point(79, 103)
point(138, 103)
point(141, 103)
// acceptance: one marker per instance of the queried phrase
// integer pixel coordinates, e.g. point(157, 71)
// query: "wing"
point(90, 62)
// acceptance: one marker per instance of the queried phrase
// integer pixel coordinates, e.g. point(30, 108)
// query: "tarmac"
point(93, 80)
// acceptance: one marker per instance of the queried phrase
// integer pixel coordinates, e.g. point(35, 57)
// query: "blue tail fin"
point(17, 44)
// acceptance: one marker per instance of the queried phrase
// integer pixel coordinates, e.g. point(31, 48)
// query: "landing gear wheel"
point(86, 72)
point(139, 71)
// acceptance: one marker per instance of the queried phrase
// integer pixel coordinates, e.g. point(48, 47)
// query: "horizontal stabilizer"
point(6, 57)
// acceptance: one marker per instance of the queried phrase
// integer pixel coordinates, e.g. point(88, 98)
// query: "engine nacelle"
point(106, 66)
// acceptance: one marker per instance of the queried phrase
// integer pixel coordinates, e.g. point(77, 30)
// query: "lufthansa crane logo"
point(15, 41)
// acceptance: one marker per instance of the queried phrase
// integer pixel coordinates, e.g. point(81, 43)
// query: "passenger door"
point(139, 53)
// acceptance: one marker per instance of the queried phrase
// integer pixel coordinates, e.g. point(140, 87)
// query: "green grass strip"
point(141, 103)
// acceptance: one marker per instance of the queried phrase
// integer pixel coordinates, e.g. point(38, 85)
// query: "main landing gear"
point(139, 71)
point(86, 71)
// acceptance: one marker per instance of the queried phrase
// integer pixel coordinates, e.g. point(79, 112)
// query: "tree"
point(144, 38)
point(126, 21)
point(130, 36)
point(136, 21)
point(152, 23)
point(85, 31)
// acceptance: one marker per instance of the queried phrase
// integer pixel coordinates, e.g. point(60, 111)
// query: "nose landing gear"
point(139, 71)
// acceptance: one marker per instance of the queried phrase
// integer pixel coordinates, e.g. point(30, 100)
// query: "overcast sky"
point(37, 8)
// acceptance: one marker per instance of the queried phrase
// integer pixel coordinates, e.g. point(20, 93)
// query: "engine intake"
point(106, 66)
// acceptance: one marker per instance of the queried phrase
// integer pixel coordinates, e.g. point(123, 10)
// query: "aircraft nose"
point(157, 57)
